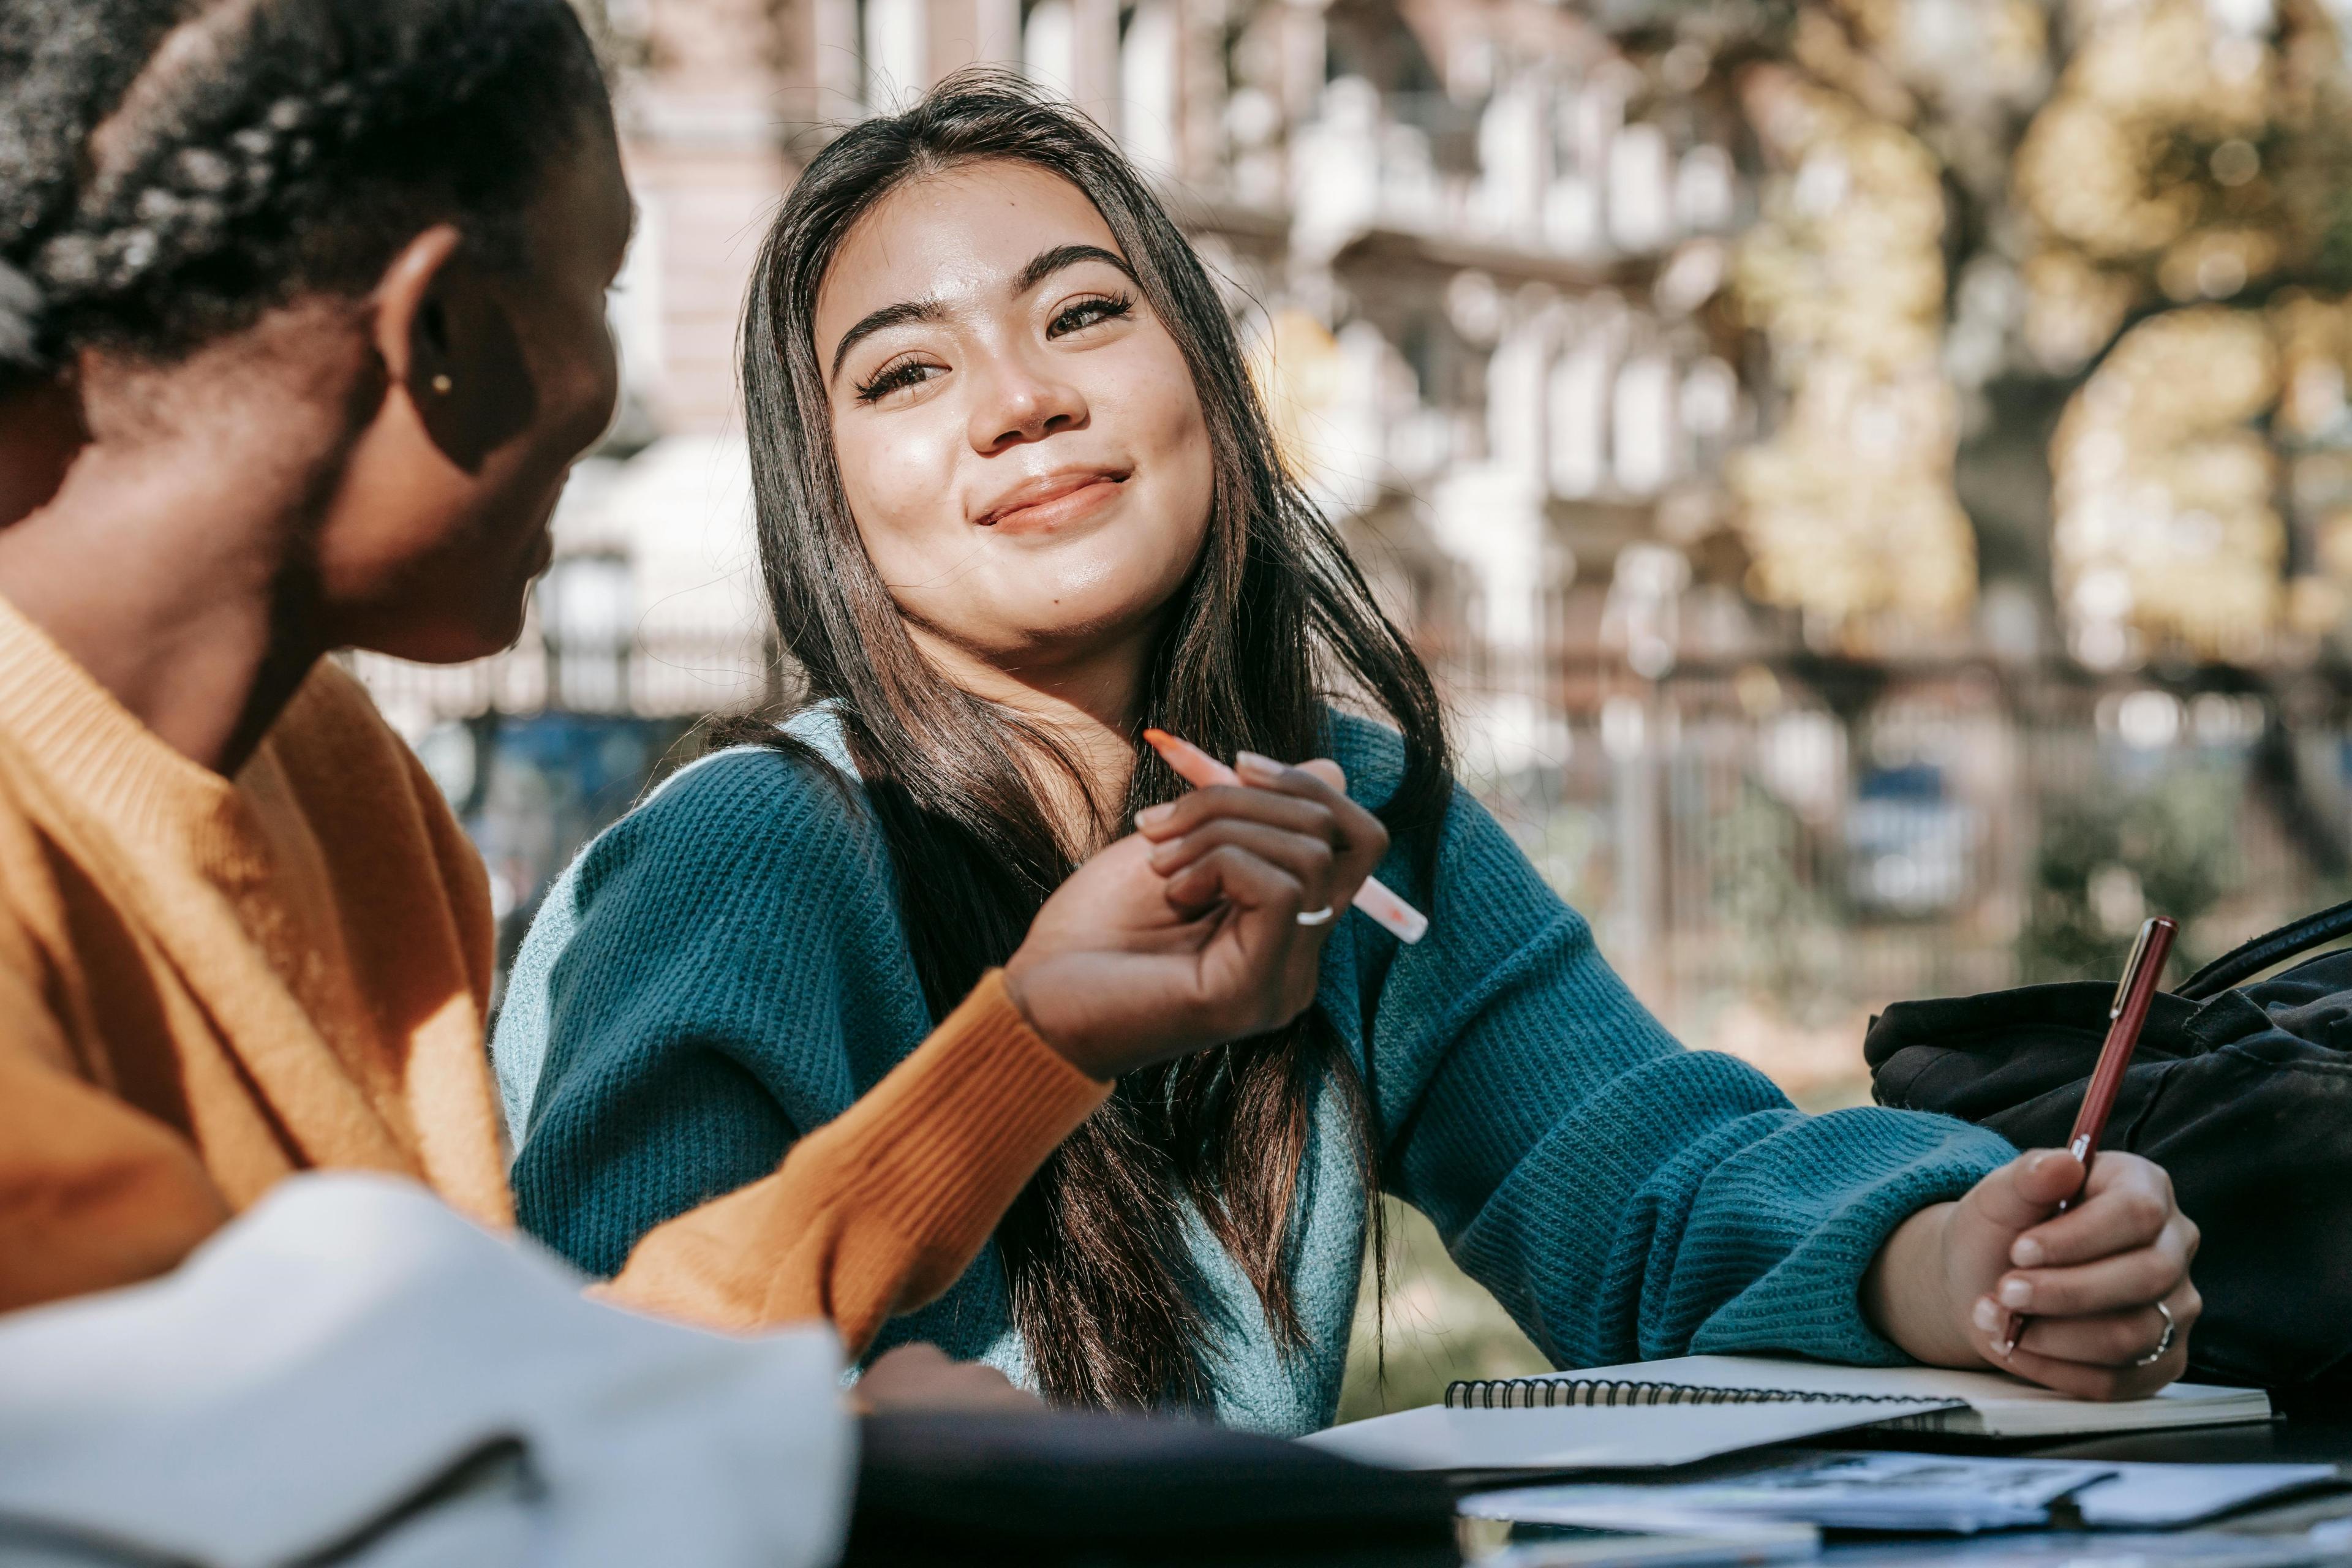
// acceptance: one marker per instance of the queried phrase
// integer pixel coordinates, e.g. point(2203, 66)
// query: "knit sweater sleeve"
point(722, 1121)
point(1623, 1197)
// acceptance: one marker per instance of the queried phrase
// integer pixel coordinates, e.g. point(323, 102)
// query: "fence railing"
point(1776, 858)
point(1759, 862)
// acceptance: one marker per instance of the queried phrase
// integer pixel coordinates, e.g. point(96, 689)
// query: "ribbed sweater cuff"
point(955, 1130)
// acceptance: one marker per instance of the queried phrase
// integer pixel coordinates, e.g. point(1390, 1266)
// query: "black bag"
point(2244, 1094)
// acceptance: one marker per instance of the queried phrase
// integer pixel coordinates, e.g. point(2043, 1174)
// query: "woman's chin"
point(1077, 621)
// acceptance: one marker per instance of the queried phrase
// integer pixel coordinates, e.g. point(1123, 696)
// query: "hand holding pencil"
point(1207, 925)
point(2064, 1269)
point(1203, 772)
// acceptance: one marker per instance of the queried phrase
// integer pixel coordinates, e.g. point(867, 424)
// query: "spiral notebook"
point(1663, 1413)
point(1987, 1404)
point(1515, 1443)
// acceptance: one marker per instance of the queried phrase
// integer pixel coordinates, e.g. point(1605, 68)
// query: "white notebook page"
point(2003, 1405)
point(1595, 1438)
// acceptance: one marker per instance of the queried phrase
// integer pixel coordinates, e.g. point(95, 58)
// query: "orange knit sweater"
point(208, 984)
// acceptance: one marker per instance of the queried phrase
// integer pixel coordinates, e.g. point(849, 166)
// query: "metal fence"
point(1767, 866)
point(1767, 854)
point(672, 675)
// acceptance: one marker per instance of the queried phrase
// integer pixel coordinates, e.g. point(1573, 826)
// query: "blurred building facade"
point(1472, 244)
point(1723, 395)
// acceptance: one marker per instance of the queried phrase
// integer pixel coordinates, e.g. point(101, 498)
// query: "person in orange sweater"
point(331, 277)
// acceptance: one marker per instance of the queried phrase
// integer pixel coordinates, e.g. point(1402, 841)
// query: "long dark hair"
point(1102, 1284)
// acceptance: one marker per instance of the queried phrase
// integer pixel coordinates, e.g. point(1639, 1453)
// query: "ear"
point(448, 344)
point(41, 432)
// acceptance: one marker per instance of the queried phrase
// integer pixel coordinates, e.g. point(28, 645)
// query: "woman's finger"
point(2127, 1203)
point(1229, 874)
point(1310, 860)
point(2113, 1339)
point(2099, 1382)
point(2131, 1279)
point(1363, 835)
point(1188, 813)
point(1252, 966)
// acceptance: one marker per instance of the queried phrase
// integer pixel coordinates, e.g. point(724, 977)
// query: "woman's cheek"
point(1162, 405)
point(902, 493)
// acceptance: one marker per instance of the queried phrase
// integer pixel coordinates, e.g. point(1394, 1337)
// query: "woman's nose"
point(1020, 401)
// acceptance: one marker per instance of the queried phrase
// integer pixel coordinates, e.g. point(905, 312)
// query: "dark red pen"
point(2126, 1016)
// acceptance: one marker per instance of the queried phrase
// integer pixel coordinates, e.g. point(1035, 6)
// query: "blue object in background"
point(1908, 844)
point(532, 791)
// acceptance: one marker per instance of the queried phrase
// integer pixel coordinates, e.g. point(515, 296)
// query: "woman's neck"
point(1087, 700)
point(157, 572)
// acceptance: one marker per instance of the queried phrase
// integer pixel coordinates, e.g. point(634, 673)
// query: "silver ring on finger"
point(2163, 1345)
point(1315, 916)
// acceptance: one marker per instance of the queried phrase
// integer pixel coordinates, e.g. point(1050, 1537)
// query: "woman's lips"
point(1056, 505)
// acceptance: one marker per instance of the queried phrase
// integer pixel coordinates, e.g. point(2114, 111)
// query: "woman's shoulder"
point(785, 807)
point(1471, 847)
point(744, 870)
point(806, 757)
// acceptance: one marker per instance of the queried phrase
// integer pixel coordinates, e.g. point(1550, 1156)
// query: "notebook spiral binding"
point(1522, 1394)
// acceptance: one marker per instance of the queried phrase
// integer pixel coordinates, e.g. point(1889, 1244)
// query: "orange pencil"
point(1199, 770)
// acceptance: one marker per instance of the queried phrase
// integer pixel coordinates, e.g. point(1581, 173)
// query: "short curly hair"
point(172, 169)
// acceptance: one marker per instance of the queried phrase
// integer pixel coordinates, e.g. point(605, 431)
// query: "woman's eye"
point(895, 378)
point(1087, 313)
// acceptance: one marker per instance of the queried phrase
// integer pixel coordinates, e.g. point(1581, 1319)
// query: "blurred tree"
point(2105, 863)
point(1773, 914)
point(2081, 269)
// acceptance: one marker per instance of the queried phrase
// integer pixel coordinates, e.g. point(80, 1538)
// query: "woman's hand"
point(1186, 934)
point(924, 1378)
point(1945, 1285)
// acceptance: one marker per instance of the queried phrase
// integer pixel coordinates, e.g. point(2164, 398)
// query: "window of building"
point(1146, 84)
point(893, 44)
point(1049, 46)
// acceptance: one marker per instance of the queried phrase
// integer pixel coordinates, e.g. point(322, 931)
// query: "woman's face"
point(434, 557)
point(1018, 435)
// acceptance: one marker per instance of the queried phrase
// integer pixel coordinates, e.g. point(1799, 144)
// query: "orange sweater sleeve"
point(93, 1192)
point(882, 1209)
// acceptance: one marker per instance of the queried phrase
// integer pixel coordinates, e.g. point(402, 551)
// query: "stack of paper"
point(1838, 1492)
point(1928, 1492)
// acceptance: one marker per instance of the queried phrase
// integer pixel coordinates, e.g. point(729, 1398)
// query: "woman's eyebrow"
point(888, 316)
point(1048, 262)
point(1043, 264)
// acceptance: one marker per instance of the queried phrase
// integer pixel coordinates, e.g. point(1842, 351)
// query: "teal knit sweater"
point(726, 968)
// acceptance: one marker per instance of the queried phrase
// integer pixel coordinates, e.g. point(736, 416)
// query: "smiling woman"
point(1019, 506)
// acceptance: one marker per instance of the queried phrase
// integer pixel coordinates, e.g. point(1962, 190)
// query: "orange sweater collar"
point(122, 772)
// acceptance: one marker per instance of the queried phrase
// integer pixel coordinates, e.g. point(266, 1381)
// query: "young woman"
point(322, 284)
point(1018, 502)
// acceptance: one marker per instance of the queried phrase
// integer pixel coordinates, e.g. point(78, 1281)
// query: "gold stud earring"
point(443, 385)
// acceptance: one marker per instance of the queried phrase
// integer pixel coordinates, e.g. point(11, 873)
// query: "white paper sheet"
point(2144, 1496)
point(1907, 1492)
